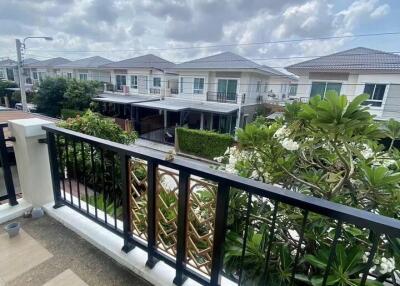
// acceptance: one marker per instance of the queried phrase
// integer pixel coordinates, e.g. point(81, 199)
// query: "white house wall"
point(354, 85)
point(150, 74)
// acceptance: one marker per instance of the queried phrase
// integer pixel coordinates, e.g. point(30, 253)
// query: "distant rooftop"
point(92, 62)
point(49, 63)
point(8, 62)
point(146, 61)
point(228, 61)
point(29, 61)
point(354, 59)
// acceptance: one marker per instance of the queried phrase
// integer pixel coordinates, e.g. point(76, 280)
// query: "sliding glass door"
point(227, 88)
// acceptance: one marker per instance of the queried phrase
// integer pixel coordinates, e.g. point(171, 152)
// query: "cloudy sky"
point(171, 28)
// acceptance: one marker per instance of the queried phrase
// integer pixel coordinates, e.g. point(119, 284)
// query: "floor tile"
point(66, 278)
point(19, 254)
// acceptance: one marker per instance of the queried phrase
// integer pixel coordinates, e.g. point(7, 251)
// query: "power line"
point(229, 45)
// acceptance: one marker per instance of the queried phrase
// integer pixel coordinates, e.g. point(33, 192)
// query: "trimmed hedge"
point(71, 113)
point(203, 143)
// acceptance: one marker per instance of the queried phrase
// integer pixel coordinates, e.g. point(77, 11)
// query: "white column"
point(32, 160)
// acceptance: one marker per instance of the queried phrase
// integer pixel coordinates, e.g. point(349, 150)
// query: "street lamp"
point(19, 47)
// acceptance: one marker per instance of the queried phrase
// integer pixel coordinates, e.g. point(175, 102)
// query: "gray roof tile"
point(354, 59)
point(228, 60)
point(92, 62)
point(146, 61)
point(48, 63)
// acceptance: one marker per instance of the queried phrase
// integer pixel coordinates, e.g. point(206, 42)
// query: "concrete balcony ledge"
point(8, 212)
point(111, 244)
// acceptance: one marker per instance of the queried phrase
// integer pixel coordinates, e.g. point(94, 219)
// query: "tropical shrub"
point(98, 169)
point(328, 148)
point(79, 94)
point(71, 113)
point(203, 143)
point(50, 97)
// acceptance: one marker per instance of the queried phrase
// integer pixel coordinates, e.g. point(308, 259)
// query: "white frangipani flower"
point(290, 144)
point(367, 152)
point(387, 265)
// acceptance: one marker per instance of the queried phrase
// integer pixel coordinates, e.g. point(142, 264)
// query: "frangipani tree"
point(328, 148)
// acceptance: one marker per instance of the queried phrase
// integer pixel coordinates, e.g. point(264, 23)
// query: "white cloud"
point(380, 11)
point(116, 27)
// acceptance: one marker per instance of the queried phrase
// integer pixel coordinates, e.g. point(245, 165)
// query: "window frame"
point(116, 81)
point(84, 75)
point(371, 99)
point(159, 78)
point(198, 90)
point(69, 75)
point(326, 86)
point(133, 86)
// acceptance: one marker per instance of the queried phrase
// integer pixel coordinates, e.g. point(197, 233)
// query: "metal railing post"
point(151, 213)
point(221, 216)
point(54, 169)
point(8, 180)
point(126, 208)
point(182, 232)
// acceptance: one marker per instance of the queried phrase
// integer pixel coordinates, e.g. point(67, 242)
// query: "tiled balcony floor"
point(47, 253)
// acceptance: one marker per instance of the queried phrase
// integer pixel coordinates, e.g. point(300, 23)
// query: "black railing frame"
point(343, 214)
point(8, 178)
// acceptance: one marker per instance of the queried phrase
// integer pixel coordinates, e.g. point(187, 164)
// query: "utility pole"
point(21, 76)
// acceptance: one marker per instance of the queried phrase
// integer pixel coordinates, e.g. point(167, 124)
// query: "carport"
point(189, 113)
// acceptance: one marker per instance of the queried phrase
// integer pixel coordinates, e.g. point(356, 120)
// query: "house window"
point(35, 75)
point(181, 85)
point(156, 81)
point(258, 86)
point(265, 87)
point(321, 88)
point(83, 76)
point(120, 81)
point(376, 93)
point(69, 75)
point(198, 85)
point(1, 74)
point(293, 89)
point(134, 82)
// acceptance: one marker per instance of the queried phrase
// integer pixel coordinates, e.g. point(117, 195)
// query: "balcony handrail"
point(176, 254)
point(358, 217)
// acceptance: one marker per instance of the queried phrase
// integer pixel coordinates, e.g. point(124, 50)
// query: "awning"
point(124, 99)
point(176, 105)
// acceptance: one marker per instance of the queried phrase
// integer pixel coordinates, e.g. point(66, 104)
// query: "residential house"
point(86, 69)
point(221, 93)
point(27, 71)
point(142, 75)
point(47, 68)
point(230, 78)
point(8, 70)
point(353, 72)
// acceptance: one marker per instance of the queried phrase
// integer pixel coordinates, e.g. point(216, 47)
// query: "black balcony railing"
point(5, 165)
point(180, 212)
point(222, 97)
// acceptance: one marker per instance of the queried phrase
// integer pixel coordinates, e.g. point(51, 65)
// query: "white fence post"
point(32, 160)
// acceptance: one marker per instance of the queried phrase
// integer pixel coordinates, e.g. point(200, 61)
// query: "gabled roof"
point(354, 59)
point(92, 62)
point(49, 63)
point(7, 63)
point(146, 61)
point(227, 61)
point(29, 61)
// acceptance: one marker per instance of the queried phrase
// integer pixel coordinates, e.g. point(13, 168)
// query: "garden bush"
point(203, 143)
point(71, 113)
